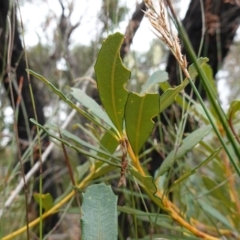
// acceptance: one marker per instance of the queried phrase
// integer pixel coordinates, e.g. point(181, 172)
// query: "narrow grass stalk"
point(11, 27)
point(37, 132)
point(218, 109)
point(53, 210)
point(167, 205)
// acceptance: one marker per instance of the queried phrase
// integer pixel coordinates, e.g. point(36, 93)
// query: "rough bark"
point(13, 76)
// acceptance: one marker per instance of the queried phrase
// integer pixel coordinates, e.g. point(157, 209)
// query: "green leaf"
point(215, 213)
point(199, 112)
point(148, 184)
point(65, 99)
point(234, 107)
point(135, 211)
point(139, 111)
point(218, 167)
point(209, 74)
point(162, 220)
point(47, 200)
point(93, 106)
point(103, 170)
point(218, 191)
point(168, 97)
point(102, 153)
point(156, 78)
point(158, 219)
point(192, 69)
point(203, 163)
point(111, 76)
point(169, 236)
point(171, 94)
point(187, 144)
point(108, 143)
point(79, 141)
point(99, 213)
point(146, 181)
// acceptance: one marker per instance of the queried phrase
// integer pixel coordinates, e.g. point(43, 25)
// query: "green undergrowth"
point(193, 193)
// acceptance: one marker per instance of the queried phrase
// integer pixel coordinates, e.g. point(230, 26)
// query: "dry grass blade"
point(158, 19)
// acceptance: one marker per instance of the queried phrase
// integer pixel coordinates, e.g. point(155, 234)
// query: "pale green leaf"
point(169, 236)
point(156, 78)
point(203, 163)
point(169, 96)
point(111, 77)
point(139, 111)
point(215, 213)
point(219, 191)
point(161, 220)
point(92, 105)
point(187, 144)
point(210, 189)
point(99, 213)
point(66, 99)
point(95, 150)
point(158, 219)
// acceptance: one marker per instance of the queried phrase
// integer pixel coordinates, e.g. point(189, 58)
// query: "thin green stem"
point(219, 111)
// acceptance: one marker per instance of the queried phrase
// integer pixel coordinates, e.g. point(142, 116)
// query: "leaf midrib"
point(139, 124)
point(113, 93)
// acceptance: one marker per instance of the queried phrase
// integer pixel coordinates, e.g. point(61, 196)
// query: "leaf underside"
point(99, 213)
point(92, 105)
